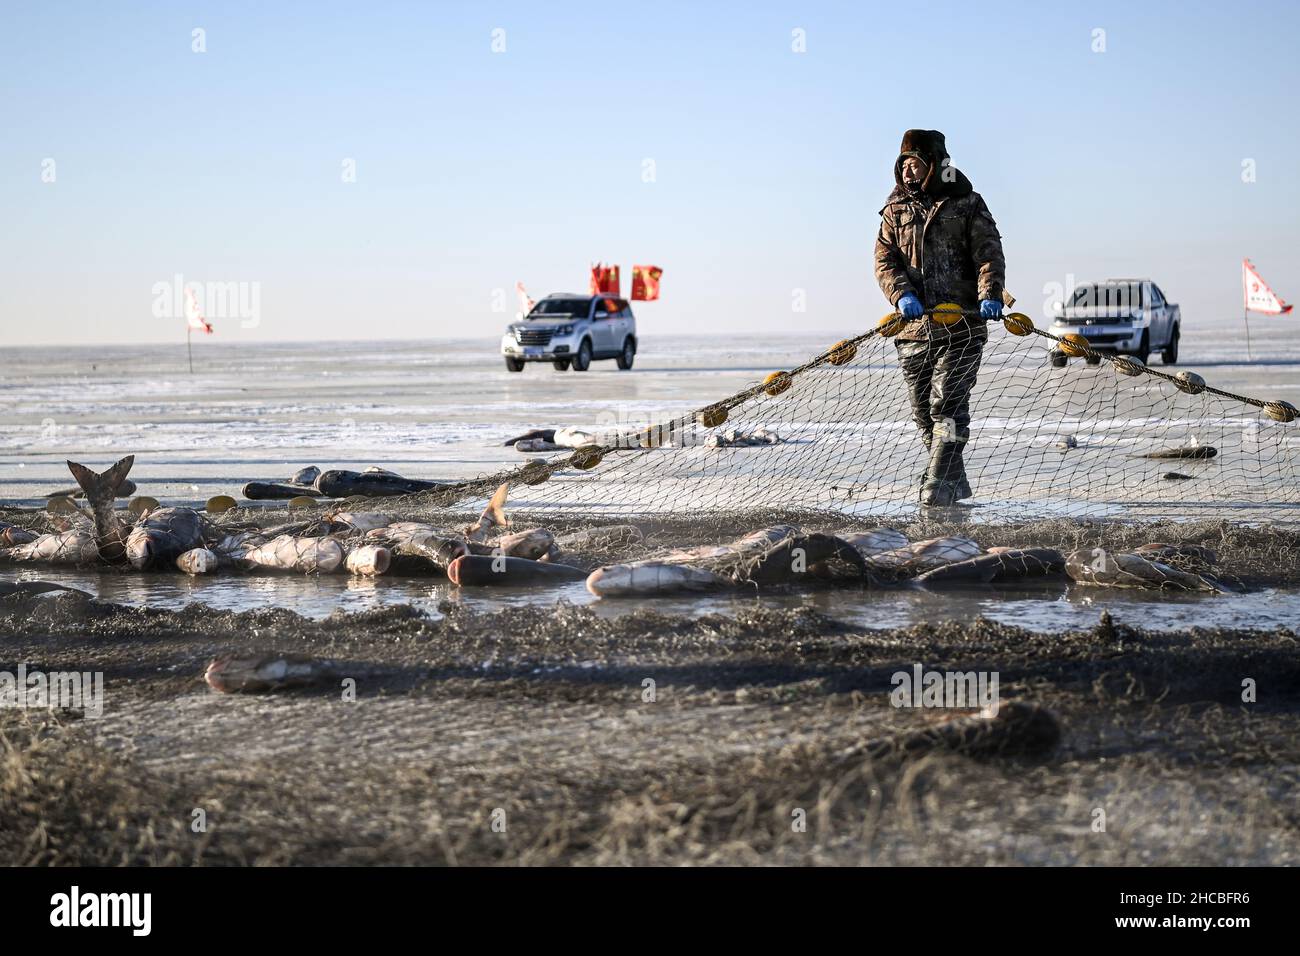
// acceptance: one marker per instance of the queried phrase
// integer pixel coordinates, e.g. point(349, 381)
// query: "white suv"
point(570, 330)
point(1120, 317)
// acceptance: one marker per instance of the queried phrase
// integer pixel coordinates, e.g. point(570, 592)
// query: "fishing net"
point(1062, 446)
point(1085, 435)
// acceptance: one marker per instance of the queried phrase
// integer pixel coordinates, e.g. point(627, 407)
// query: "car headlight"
point(564, 330)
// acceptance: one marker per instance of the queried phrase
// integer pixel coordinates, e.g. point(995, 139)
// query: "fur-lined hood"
point(943, 180)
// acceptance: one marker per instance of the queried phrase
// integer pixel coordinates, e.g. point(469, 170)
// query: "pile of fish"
point(487, 552)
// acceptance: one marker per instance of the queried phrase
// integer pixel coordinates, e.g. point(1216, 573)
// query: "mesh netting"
point(1092, 436)
point(1041, 443)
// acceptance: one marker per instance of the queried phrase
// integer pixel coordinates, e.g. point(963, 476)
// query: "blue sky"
point(476, 168)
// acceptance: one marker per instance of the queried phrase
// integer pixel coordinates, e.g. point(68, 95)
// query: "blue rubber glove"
point(990, 308)
point(910, 306)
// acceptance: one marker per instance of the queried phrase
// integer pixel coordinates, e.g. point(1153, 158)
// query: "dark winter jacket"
point(941, 244)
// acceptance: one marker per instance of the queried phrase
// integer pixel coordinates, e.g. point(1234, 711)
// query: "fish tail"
point(101, 488)
point(496, 507)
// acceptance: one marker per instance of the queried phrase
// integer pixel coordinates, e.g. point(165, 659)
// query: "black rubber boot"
point(945, 482)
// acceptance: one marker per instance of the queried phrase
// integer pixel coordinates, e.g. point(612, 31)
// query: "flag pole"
point(189, 346)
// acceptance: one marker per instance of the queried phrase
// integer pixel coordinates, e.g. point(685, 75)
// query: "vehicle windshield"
point(1120, 295)
point(550, 308)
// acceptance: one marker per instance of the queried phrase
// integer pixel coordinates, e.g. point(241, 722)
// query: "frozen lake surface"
point(441, 409)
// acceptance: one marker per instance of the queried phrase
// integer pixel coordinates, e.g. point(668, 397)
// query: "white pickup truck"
point(1120, 316)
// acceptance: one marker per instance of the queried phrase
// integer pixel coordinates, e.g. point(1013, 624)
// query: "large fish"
point(651, 577)
point(344, 484)
point(418, 548)
point(923, 556)
point(157, 540)
point(77, 546)
point(874, 542)
point(261, 674)
point(1127, 570)
point(794, 558)
point(999, 566)
point(482, 569)
point(775, 555)
point(101, 492)
point(307, 555)
point(164, 535)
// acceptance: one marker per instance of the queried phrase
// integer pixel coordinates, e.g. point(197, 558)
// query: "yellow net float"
point(1074, 345)
point(1017, 323)
point(711, 417)
point(219, 504)
point(946, 313)
point(1189, 382)
point(842, 352)
point(891, 324)
point(141, 505)
point(1128, 365)
point(302, 501)
point(1281, 411)
point(777, 382)
point(61, 504)
point(586, 457)
point(534, 473)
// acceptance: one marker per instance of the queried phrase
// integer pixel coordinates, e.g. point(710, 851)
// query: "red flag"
point(1258, 296)
point(194, 315)
point(645, 282)
point(604, 280)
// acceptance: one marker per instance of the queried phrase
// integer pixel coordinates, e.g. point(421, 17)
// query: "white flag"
point(525, 302)
point(1258, 296)
point(194, 315)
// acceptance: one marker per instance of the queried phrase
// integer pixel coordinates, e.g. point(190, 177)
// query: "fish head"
point(142, 547)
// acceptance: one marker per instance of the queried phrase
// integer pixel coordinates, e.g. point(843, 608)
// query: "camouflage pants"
point(940, 373)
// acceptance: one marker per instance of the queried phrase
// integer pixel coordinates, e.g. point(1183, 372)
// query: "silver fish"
point(77, 546)
point(1127, 570)
point(923, 556)
point(307, 555)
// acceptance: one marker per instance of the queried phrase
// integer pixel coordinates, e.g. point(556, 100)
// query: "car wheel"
point(561, 365)
point(582, 361)
point(1057, 358)
point(1169, 355)
point(1144, 347)
point(514, 365)
point(626, 356)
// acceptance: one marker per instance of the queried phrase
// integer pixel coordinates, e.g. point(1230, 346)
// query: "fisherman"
point(938, 243)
